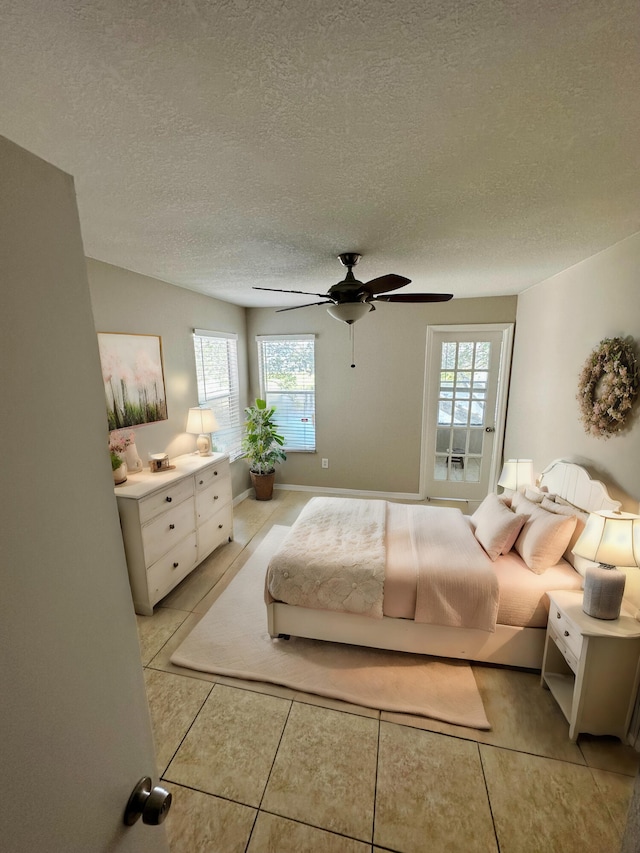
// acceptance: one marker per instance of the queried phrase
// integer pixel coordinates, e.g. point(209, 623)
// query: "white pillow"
point(522, 504)
point(544, 538)
point(496, 526)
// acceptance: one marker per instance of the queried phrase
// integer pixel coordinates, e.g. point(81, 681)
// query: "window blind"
point(216, 355)
point(287, 381)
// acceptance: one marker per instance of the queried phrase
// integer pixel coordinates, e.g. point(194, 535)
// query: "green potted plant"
point(262, 446)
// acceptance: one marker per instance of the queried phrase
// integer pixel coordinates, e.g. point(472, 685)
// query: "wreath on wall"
point(608, 387)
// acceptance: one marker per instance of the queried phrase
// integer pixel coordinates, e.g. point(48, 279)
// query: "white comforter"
point(334, 559)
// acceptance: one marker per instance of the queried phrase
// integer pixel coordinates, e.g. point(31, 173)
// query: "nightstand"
point(591, 666)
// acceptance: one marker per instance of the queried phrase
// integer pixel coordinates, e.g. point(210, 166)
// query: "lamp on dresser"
point(202, 422)
point(611, 539)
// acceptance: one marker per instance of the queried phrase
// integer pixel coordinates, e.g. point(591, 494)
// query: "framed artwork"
point(133, 378)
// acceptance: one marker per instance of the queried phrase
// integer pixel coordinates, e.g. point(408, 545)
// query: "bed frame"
point(520, 647)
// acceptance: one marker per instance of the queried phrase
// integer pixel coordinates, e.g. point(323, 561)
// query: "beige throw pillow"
point(496, 526)
point(544, 538)
point(581, 520)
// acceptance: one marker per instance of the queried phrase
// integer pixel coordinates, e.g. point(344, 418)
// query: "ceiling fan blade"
point(385, 282)
point(308, 305)
point(279, 290)
point(415, 297)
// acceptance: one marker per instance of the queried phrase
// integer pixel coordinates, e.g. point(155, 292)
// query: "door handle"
point(151, 804)
point(489, 429)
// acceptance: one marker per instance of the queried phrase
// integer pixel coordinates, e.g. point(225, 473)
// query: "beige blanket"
point(333, 557)
point(457, 585)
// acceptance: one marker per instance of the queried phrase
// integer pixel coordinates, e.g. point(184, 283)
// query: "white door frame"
point(507, 330)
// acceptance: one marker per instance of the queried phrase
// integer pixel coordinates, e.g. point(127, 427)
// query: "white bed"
point(519, 644)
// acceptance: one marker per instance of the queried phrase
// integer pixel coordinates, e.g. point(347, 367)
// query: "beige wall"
point(125, 301)
point(369, 418)
point(559, 322)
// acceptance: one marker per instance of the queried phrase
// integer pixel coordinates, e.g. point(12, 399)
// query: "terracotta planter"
point(263, 485)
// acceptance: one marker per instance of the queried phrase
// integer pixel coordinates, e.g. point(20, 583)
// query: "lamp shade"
point(611, 538)
point(349, 312)
point(516, 473)
point(201, 421)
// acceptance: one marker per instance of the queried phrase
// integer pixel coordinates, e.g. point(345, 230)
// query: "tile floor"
point(262, 769)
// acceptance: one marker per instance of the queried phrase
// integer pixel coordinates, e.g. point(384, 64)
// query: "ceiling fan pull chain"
point(352, 335)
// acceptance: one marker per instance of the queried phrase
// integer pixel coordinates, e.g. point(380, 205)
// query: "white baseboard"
point(358, 493)
point(324, 490)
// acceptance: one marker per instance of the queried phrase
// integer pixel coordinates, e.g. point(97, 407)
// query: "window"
point(216, 356)
point(287, 381)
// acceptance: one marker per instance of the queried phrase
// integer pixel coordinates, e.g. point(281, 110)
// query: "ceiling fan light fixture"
point(349, 312)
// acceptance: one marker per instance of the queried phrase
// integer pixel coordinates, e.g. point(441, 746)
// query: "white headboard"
point(573, 483)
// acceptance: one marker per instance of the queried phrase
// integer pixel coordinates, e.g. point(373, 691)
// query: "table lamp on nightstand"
point(516, 473)
point(611, 539)
point(202, 422)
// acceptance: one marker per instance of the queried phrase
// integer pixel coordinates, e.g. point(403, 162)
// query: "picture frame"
point(133, 375)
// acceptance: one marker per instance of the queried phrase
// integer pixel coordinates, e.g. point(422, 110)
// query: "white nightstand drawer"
point(160, 501)
point(172, 568)
point(566, 630)
point(564, 650)
point(161, 534)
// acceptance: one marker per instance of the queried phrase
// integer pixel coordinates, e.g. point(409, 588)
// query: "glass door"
point(465, 397)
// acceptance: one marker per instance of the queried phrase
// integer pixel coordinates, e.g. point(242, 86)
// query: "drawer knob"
point(215, 497)
point(200, 482)
point(566, 633)
point(175, 565)
point(220, 526)
point(168, 499)
point(215, 473)
point(558, 616)
point(172, 527)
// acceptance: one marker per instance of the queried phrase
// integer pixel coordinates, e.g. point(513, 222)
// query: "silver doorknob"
point(490, 429)
point(151, 804)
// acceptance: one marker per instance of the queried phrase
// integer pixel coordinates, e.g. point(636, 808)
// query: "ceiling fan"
point(350, 299)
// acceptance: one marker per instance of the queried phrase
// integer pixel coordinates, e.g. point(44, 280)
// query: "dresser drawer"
point(213, 498)
point(214, 532)
point(565, 630)
point(165, 531)
point(172, 568)
point(214, 473)
point(160, 501)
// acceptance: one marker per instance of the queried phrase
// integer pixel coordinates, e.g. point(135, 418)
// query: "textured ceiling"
point(474, 146)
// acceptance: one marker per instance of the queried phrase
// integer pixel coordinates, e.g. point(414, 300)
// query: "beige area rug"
point(232, 639)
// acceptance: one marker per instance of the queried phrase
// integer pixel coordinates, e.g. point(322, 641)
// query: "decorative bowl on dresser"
point(171, 520)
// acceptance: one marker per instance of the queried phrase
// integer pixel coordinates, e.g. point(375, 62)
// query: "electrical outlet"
point(325, 463)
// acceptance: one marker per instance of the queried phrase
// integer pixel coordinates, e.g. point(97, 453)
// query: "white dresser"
point(171, 520)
